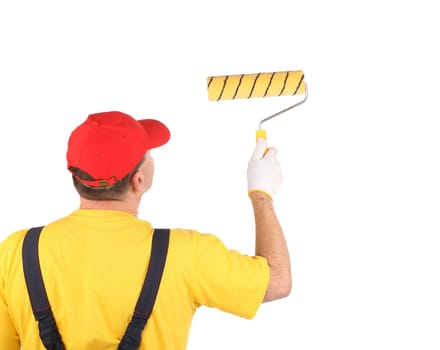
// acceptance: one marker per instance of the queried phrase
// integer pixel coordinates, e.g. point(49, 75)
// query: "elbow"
point(280, 286)
point(285, 288)
point(283, 280)
point(288, 288)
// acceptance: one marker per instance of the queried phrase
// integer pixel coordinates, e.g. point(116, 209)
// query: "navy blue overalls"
point(48, 329)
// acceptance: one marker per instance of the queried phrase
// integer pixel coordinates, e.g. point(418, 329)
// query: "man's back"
point(94, 263)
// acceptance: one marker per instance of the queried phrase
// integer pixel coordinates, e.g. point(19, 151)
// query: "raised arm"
point(264, 179)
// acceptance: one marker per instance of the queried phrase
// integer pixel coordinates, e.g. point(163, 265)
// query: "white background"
point(361, 197)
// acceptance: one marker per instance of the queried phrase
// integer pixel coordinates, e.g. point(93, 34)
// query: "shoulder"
point(193, 243)
point(10, 247)
point(203, 246)
point(13, 239)
point(193, 237)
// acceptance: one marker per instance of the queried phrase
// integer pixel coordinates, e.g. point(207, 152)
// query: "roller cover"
point(230, 87)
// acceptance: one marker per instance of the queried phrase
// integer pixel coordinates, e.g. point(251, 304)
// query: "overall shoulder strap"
point(49, 334)
point(147, 297)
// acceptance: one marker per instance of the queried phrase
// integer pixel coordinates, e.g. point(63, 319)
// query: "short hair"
point(102, 193)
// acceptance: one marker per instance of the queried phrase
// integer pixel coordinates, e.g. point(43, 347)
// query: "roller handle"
point(261, 133)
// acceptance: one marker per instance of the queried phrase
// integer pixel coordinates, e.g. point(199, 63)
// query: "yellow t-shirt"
point(94, 263)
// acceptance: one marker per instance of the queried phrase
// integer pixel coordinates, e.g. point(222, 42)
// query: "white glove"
point(264, 171)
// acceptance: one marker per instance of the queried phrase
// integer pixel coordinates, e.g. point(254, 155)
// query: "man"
point(93, 262)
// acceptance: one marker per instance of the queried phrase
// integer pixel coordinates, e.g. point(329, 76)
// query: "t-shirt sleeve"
point(8, 335)
point(226, 279)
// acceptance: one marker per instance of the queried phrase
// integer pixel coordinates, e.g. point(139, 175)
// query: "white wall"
point(361, 198)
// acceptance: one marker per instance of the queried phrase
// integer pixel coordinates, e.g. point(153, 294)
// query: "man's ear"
point(137, 181)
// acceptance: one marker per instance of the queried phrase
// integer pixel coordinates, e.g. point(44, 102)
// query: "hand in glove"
point(264, 171)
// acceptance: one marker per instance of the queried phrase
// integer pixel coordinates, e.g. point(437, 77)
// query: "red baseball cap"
point(109, 145)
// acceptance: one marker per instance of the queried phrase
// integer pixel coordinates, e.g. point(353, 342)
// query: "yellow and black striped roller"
point(259, 85)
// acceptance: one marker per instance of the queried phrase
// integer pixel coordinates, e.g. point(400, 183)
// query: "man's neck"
point(121, 205)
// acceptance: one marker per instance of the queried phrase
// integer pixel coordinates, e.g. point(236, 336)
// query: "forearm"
point(270, 243)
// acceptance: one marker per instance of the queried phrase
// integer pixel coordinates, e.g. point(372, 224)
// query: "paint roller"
point(258, 85)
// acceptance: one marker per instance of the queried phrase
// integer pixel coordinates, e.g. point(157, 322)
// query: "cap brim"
point(157, 132)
